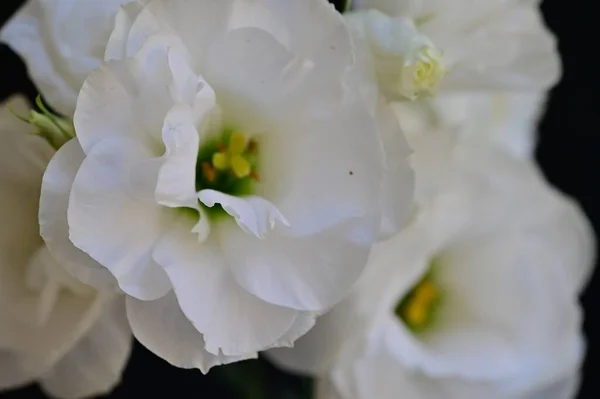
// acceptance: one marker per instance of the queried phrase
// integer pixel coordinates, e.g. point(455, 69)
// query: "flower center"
point(425, 70)
point(228, 164)
point(417, 309)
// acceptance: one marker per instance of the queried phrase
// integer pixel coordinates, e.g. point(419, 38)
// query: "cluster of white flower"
point(354, 193)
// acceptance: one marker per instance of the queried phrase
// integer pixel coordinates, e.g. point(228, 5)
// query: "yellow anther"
point(240, 167)
point(416, 314)
point(426, 293)
point(418, 307)
point(252, 146)
point(237, 144)
point(209, 172)
point(220, 161)
point(254, 175)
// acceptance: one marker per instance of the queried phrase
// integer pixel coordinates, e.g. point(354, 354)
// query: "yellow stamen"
point(253, 147)
point(237, 144)
point(418, 306)
point(220, 161)
point(240, 167)
point(426, 293)
point(416, 314)
point(209, 172)
point(254, 175)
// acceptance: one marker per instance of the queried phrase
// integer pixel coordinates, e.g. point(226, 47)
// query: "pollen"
point(233, 156)
point(417, 308)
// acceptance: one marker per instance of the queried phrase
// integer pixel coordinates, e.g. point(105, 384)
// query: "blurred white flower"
point(493, 62)
point(478, 45)
point(476, 298)
point(69, 337)
point(508, 120)
point(61, 42)
point(228, 172)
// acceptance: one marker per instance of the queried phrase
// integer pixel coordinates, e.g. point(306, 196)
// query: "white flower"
point(228, 172)
point(478, 45)
point(72, 339)
point(61, 43)
point(509, 120)
point(476, 298)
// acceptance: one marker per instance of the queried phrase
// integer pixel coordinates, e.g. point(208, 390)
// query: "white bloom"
point(61, 43)
point(72, 339)
point(227, 172)
point(509, 120)
point(476, 298)
point(497, 56)
point(486, 45)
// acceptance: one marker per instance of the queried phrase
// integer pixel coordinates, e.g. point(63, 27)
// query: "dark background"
point(568, 152)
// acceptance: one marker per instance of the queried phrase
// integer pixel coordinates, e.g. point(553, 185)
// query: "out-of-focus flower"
point(64, 334)
point(228, 172)
point(476, 298)
point(61, 43)
point(491, 45)
point(508, 120)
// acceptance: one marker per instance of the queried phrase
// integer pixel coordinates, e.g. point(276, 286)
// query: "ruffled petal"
point(232, 321)
point(162, 328)
point(54, 229)
point(94, 366)
point(309, 273)
point(127, 98)
point(254, 215)
point(114, 220)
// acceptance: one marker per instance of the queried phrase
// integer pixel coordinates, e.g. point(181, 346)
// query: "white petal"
point(127, 98)
point(316, 352)
point(94, 366)
point(161, 327)
point(324, 169)
point(114, 222)
point(232, 321)
point(74, 38)
point(481, 320)
point(398, 183)
point(12, 374)
point(511, 49)
point(326, 390)
point(197, 23)
point(115, 48)
point(564, 388)
point(22, 162)
point(22, 33)
point(308, 273)
point(41, 346)
point(253, 214)
point(23, 156)
point(176, 186)
point(252, 73)
point(56, 189)
point(327, 44)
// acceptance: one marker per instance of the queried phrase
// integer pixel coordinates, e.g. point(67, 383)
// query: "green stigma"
point(418, 308)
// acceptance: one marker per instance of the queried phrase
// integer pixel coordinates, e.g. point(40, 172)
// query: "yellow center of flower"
point(232, 157)
point(228, 164)
point(428, 70)
point(417, 308)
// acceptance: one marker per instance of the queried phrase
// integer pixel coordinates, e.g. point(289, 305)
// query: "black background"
point(568, 152)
